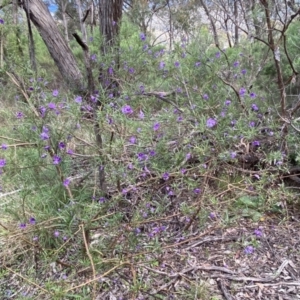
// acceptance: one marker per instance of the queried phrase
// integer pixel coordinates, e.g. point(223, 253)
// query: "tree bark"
point(110, 17)
point(65, 21)
point(110, 14)
point(57, 46)
point(236, 27)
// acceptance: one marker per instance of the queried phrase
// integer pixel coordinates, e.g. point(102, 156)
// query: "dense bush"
point(193, 131)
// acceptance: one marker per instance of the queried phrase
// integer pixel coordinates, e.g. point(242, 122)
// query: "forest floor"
point(206, 264)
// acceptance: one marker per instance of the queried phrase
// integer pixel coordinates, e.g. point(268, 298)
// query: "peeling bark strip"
point(57, 46)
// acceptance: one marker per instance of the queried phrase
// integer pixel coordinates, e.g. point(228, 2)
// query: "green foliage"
point(189, 135)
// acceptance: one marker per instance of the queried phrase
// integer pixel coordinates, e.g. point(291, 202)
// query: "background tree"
point(56, 44)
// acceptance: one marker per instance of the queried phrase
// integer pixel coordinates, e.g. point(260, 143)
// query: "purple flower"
point(1, 21)
point(205, 97)
point(236, 64)
point(170, 192)
point(132, 140)
point(244, 71)
point(252, 95)
point(66, 182)
point(78, 99)
point(142, 156)
point(212, 215)
point(52, 105)
point(32, 221)
point(130, 166)
point(2, 162)
point(166, 176)
point(227, 102)
point(61, 145)
point(19, 115)
point(197, 191)
point(131, 70)
point(249, 250)
point(233, 154)
point(93, 57)
point(233, 122)
point(162, 65)
point(44, 136)
point(142, 89)
point(218, 54)
point(223, 113)
point(256, 143)
point(141, 115)
point(56, 233)
point(142, 36)
point(254, 107)
point(258, 232)
point(56, 159)
point(55, 93)
point(152, 153)
point(4, 146)
point(70, 152)
point(127, 110)
point(242, 92)
point(156, 126)
point(93, 98)
point(183, 171)
point(197, 64)
point(42, 111)
point(110, 71)
point(22, 225)
point(109, 120)
point(176, 64)
point(251, 124)
point(102, 200)
point(210, 123)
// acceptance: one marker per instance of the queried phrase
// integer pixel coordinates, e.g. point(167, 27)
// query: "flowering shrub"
point(181, 132)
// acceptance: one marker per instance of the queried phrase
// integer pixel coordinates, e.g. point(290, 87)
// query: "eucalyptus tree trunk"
point(87, 62)
point(65, 20)
point(110, 14)
point(82, 25)
point(236, 25)
point(57, 46)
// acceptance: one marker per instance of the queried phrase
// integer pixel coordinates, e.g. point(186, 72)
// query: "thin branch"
point(86, 15)
point(78, 39)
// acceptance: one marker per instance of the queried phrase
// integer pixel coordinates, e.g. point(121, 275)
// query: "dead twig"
point(224, 290)
point(212, 239)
